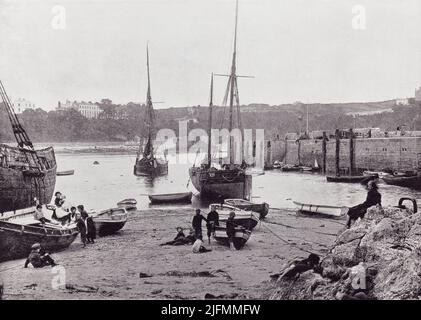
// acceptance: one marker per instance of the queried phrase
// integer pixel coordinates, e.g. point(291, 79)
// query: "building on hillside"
point(402, 102)
point(87, 109)
point(21, 104)
point(418, 94)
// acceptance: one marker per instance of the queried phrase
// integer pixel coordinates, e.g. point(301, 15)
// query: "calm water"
point(102, 186)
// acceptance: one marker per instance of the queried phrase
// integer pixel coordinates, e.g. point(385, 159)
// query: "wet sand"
point(111, 268)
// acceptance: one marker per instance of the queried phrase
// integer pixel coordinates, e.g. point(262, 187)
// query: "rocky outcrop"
point(379, 256)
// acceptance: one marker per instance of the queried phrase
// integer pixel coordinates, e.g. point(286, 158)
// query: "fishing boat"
point(314, 209)
point(351, 179)
point(25, 173)
point(261, 208)
point(413, 182)
point(147, 164)
point(183, 197)
point(229, 180)
point(240, 238)
point(19, 231)
point(290, 168)
point(110, 221)
point(246, 219)
point(128, 204)
point(65, 173)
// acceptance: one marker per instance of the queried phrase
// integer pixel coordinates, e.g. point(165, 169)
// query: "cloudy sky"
point(297, 50)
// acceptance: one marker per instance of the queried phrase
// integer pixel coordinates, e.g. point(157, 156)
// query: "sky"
point(297, 50)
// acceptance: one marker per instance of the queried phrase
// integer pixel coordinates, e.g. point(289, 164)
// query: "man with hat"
point(39, 258)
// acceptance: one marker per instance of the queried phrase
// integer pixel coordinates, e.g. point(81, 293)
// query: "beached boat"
point(110, 221)
point(246, 219)
point(413, 182)
point(380, 174)
point(290, 168)
point(231, 180)
point(351, 179)
point(315, 209)
point(65, 173)
point(128, 204)
point(261, 208)
point(183, 197)
point(19, 231)
point(25, 173)
point(241, 236)
point(147, 164)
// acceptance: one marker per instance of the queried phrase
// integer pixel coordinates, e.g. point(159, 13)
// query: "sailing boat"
point(25, 173)
point(147, 164)
point(231, 181)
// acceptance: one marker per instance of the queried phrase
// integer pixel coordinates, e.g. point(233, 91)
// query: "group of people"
point(64, 216)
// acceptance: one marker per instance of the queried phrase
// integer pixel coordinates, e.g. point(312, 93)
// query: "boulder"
point(379, 257)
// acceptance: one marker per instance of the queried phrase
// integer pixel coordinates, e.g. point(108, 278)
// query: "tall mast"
point(210, 123)
point(149, 110)
point(233, 84)
point(307, 121)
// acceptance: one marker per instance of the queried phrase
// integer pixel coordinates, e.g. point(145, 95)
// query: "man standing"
point(197, 224)
point(231, 229)
point(88, 225)
point(212, 222)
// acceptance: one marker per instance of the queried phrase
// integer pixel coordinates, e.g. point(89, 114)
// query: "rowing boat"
point(19, 231)
point(65, 173)
point(246, 219)
point(261, 208)
point(128, 204)
point(110, 221)
point(240, 238)
point(184, 197)
point(350, 179)
point(315, 209)
point(413, 182)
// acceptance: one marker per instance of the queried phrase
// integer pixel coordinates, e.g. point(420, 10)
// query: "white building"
point(21, 104)
point(418, 94)
point(87, 109)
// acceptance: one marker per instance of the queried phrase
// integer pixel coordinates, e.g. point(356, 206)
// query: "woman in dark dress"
point(373, 198)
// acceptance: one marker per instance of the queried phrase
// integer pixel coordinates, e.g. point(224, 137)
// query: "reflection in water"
point(102, 186)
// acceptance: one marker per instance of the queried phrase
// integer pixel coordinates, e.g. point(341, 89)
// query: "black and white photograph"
point(241, 151)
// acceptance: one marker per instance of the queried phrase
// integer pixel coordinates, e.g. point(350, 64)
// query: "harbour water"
point(102, 186)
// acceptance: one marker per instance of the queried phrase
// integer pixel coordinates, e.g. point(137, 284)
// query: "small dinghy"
point(19, 231)
point(246, 219)
point(241, 236)
point(261, 208)
point(128, 204)
point(314, 209)
point(351, 179)
point(65, 173)
point(413, 182)
point(110, 221)
point(183, 197)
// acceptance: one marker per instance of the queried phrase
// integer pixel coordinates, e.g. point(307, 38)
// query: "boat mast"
point(232, 82)
point(210, 124)
point(149, 110)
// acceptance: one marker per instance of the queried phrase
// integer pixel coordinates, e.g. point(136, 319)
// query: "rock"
point(379, 257)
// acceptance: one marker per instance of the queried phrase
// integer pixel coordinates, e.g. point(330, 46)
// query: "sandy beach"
point(133, 265)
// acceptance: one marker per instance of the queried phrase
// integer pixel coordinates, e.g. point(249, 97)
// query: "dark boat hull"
point(408, 182)
point(110, 221)
point(144, 168)
point(261, 208)
point(105, 228)
point(171, 198)
point(16, 240)
point(17, 189)
point(240, 239)
point(224, 184)
point(350, 179)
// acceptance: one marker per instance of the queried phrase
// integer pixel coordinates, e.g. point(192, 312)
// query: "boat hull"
point(17, 189)
point(261, 208)
point(65, 173)
point(110, 221)
point(243, 218)
point(314, 209)
point(16, 240)
point(171, 198)
point(350, 179)
point(240, 239)
point(223, 185)
point(407, 182)
point(144, 168)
